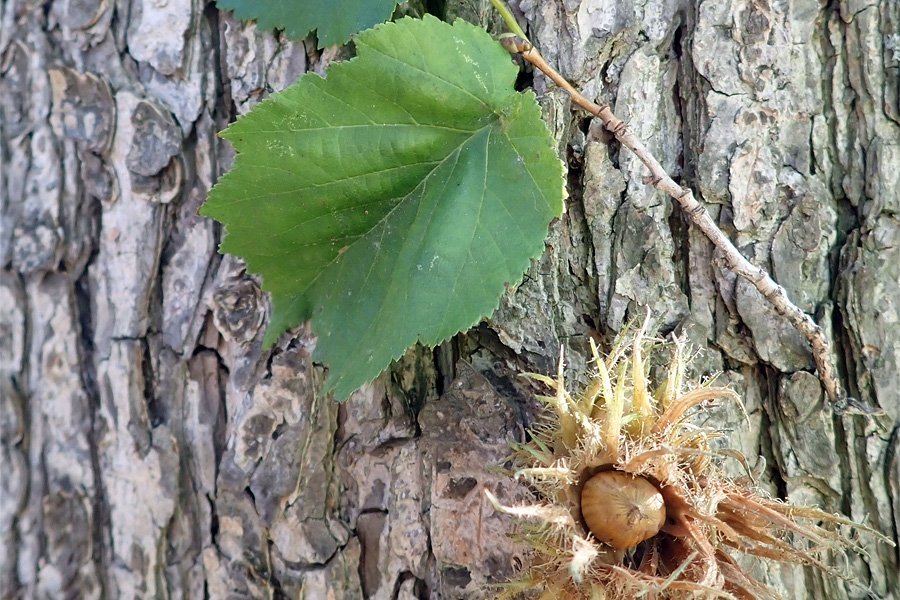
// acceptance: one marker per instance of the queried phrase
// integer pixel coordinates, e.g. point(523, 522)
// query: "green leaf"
point(393, 201)
point(334, 20)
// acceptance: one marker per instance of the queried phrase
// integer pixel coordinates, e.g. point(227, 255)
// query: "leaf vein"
point(433, 76)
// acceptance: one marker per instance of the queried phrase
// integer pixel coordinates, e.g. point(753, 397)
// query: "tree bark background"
point(148, 448)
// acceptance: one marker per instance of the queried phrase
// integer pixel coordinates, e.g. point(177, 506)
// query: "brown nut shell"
point(622, 510)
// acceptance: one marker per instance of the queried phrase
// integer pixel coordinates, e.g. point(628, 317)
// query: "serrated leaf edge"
point(270, 24)
point(330, 383)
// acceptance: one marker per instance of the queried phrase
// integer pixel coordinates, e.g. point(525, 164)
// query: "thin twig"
point(697, 213)
point(509, 19)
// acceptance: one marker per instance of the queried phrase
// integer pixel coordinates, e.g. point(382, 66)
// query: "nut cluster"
point(633, 499)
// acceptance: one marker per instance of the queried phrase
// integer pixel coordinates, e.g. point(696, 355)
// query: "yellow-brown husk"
point(618, 422)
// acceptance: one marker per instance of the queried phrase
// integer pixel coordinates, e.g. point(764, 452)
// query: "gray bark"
point(149, 448)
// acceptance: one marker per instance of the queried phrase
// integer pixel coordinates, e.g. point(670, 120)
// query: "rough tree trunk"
point(149, 449)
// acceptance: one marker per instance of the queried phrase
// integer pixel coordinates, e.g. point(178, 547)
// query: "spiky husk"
point(618, 422)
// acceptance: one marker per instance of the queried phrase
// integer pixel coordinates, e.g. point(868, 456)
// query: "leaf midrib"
point(400, 201)
point(316, 185)
point(227, 133)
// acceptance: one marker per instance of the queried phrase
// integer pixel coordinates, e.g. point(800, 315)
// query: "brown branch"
point(697, 213)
